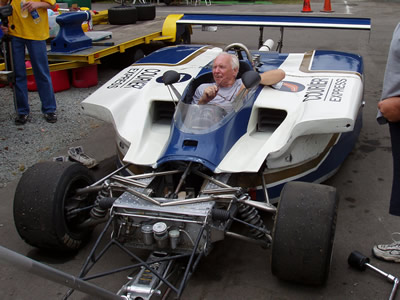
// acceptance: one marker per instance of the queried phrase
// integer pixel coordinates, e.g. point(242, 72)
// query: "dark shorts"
point(394, 208)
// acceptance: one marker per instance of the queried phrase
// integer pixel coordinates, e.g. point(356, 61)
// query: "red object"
point(59, 79)
point(306, 6)
point(85, 77)
point(327, 6)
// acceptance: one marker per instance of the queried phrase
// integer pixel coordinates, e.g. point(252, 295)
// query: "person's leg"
point(38, 54)
point(391, 252)
point(20, 87)
point(394, 207)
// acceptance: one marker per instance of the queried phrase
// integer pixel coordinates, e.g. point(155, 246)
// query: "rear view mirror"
point(251, 79)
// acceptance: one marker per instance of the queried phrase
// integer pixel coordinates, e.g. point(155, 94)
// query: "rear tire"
point(43, 198)
point(122, 15)
point(304, 232)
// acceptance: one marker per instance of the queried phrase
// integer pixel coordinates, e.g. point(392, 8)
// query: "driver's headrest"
point(243, 67)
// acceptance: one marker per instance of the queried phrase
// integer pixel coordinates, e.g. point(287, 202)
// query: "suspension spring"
point(97, 211)
point(220, 214)
point(250, 215)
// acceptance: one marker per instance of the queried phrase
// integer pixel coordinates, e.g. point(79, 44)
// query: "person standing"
point(389, 112)
point(29, 28)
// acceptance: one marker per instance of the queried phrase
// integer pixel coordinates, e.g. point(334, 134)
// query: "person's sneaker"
point(21, 119)
point(61, 158)
point(77, 154)
point(50, 117)
point(389, 252)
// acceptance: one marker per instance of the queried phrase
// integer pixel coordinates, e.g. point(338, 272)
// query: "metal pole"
point(260, 37)
point(55, 275)
point(389, 277)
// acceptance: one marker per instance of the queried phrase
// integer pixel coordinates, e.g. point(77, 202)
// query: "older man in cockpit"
point(226, 87)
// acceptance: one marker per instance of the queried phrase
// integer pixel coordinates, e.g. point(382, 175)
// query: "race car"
point(187, 172)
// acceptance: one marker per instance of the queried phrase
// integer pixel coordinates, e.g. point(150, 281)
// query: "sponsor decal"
point(135, 78)
point(183, 77)
point(325, 89)
point(338, 89)
point(290, 86)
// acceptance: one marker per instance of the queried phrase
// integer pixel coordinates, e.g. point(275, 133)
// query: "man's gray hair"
point(234, 60)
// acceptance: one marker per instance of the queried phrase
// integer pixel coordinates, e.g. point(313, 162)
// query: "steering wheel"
point(238, 48)
point(207, 116)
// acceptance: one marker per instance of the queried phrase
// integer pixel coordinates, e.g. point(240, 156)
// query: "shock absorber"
point(250, 215)
point(100, 210)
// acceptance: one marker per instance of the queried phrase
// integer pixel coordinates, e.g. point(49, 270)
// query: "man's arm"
point(269, 77)
point(390, 108)
point(272, 77)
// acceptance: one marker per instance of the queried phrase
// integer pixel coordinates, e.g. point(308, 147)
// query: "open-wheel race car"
point(187, 172)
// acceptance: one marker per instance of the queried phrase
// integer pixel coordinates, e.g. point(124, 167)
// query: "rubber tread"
point(39, 205)
point(146, 12)
point(303, 233)
point(122, 15)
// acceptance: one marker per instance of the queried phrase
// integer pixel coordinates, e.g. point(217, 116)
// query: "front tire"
point(44, 200)
point(304, 232)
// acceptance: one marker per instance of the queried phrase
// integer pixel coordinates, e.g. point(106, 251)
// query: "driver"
point(226, 86)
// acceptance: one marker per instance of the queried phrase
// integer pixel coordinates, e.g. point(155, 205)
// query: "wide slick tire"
point(44, 200)
point(122, 15)
point(146, 12)
point(303, 233)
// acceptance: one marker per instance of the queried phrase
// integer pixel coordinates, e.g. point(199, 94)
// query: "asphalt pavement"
point(234, 270)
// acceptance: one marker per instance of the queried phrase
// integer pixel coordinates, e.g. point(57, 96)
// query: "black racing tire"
point(146, 12)
point(41, 202)
point(303, 233)
point(122, 15)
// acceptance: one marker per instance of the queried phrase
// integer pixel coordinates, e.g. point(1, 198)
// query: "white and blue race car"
point(187, 172)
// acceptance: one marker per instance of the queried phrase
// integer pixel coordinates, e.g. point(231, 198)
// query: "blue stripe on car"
point(337, 61)
point(169, 55)
point(210, 148)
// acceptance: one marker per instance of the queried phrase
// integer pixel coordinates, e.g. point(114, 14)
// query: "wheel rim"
point(77, 208)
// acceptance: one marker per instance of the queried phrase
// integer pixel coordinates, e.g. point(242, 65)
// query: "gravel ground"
point(23, 146)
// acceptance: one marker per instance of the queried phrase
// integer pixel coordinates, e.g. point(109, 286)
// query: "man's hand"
point(209, 94)
point(4, 29)
point(390, 109)
point(32, 5)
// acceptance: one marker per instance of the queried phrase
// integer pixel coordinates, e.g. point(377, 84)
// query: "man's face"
point(223, 73)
